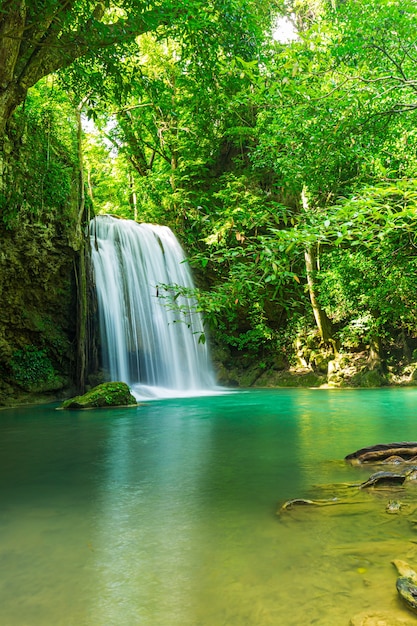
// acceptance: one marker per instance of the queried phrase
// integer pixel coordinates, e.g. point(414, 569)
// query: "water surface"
point(165, 514)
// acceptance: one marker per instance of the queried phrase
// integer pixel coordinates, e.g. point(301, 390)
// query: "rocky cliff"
point(37, 310)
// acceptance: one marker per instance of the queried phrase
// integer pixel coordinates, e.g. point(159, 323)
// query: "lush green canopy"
point(288, 169)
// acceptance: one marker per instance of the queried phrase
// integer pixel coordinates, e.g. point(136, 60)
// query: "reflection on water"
point(165, 515)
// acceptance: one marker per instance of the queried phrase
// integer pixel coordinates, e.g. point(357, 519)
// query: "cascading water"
point(155, 349)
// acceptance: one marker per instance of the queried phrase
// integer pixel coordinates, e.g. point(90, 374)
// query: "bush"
point(32, 370)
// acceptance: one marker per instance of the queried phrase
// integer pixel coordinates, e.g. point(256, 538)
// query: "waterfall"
point(154, 347)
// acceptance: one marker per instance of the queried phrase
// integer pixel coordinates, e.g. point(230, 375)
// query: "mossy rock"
point(296, 378)
point(369, 378)
point(104, 395)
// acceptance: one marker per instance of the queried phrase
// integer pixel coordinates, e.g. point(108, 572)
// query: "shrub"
point(32, 369)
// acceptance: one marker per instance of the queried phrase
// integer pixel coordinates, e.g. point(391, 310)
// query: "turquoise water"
point(166, 514)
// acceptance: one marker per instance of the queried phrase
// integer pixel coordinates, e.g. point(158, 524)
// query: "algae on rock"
point(104, 395)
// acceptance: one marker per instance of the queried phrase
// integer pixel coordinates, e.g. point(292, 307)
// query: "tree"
point(163, 103)
point(368, 277)
point(329, 122)
point(39, 37)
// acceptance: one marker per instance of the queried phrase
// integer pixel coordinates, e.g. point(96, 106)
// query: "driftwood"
point(403, 454)
point(397, 452)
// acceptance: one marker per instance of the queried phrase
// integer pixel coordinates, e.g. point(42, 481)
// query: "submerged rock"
point(393, 507)
point(407, 584)
point(380, 618)
point(104, 395)
point(385, 478)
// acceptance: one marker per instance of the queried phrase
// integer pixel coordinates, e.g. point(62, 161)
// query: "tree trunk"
point(36, 43)
point(323, 323)
point(82, 311)
point(81, 270)
point(9, 99)
point(81, 193)
point(374, 359)
point(133, 200)
point(12, 24)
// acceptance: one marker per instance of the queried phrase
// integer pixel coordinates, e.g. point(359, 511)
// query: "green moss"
point(33, 371)
point(291, 379)
point(369, 378)
point(104, 395)
point(309, 379)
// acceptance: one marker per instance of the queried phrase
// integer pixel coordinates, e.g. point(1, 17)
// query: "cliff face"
point(37, 310)
point(40, 244)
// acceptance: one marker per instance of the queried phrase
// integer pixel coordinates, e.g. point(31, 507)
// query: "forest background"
point(286, 168)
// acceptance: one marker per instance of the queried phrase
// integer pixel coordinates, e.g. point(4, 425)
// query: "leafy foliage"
point(262, 152)
point(40, 173)
point(32, 369)
point(259, 154)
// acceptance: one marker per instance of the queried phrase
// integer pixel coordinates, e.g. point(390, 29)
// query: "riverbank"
point(15, 397)
point(343, 371)
point(346, 371)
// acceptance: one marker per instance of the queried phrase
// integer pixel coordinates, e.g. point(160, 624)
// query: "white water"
point(145, 343)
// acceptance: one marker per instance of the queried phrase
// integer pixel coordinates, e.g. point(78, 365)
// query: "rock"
point(104, 395)
point(320, 360)
point(369, 378)
point(37, 312)
point(292, 378)
point(393, 507)
point(380, 618)
point(384, 478)
point(279, 362)
point(407, 584)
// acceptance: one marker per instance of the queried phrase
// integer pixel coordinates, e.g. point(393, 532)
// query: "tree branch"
point(41, 30)
point(12, 23)
point(44, 46)
point(396, 64)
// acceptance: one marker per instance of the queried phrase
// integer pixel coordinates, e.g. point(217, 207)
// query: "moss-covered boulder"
point(369, 378)
point(298, 377)
point(104, 395)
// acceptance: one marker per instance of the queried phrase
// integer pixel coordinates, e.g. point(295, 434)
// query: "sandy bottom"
point(167, 516)
point(308, 565)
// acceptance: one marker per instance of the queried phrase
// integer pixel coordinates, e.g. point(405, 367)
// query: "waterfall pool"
point(166, 514)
